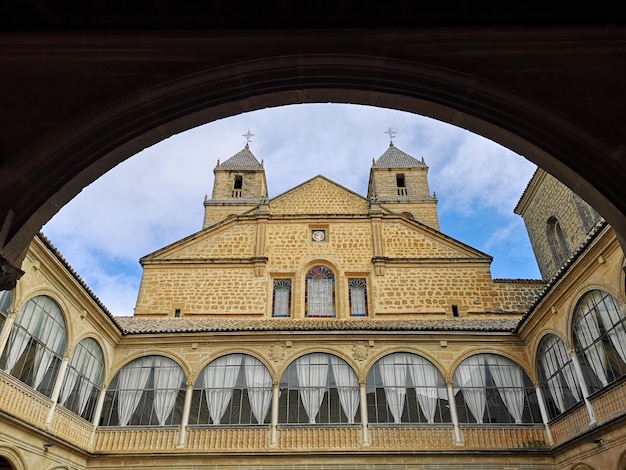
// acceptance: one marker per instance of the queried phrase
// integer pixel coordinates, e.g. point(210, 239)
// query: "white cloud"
point(155, 198)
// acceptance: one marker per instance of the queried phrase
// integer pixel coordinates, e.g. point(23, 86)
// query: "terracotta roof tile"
point(133, 325)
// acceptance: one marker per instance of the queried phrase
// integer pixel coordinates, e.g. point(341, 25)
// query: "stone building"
point(325, 329)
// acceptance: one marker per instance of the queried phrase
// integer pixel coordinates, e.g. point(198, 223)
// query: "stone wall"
point(547, 197)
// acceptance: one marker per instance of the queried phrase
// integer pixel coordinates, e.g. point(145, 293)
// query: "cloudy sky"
point(155, 197)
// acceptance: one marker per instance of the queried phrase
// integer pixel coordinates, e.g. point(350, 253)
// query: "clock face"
point(318, 235)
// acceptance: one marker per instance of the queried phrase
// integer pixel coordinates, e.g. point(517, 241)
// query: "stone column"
point(6, 329)
point(455, 419)
point(185, 418)
point(544, 414)
point(97, 412)
point(57, 388)
point(583, 388)
point(364, 419)
point(274, 425)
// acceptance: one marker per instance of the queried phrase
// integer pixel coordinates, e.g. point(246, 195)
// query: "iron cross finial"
point(248, 135)
point(391, 133)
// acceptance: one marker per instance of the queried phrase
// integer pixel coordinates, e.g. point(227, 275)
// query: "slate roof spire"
point(242, 160)
point(396, 158)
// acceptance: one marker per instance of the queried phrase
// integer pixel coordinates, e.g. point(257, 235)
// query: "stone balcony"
point(21, 404)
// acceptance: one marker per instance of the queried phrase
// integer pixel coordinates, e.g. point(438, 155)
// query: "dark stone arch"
point(53, 169)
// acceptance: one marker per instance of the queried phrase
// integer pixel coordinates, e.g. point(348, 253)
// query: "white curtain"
point(509, 379)
point(588, 332)
point(393, 373)
point(219, 379)
point(567, 369)
point(168, 377)
point(72, 373)
point(551, 365)
point(357, 298)
point(347, 387)
point(472, 380)
point(312, 371)
point(92, 373)
point(259, 385)
point(320, 298)
point(425, 379)
point(281, 302)
point(132, 380)
point(612, 320)
point(52, 336)
point(23, 329)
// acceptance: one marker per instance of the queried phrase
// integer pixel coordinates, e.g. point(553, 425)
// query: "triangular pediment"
point(319, 195)
point(409, 239)
point(230, 239)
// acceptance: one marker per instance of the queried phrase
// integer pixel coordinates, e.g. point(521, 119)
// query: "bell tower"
point(239, 185)
point(399, 182)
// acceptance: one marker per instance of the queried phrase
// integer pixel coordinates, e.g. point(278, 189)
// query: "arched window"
point(600, 339)
point(493, 389)
point(557, 377)
point(232, 390)
point(557, 242)
point(148, 391)
point(319, 388)
point(406, 388)
point(83, 379)
point(36, 344)
point(6, 299)
point(320, 292)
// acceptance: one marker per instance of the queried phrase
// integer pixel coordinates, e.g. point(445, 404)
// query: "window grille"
point(357, 293)
point(149, 391)
point(83, 379)
point(404, 388)
point(281, 298)
point(600, 339)
point(320, 292)
point(36, 344)
point(493, 389)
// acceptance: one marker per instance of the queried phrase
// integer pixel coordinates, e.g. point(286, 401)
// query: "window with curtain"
point(600, 339)
point(319, 389)
point(235, 389)
point(320, 292)
point(36, 344)
point(557, 377)
point(6, 299)
point(149, 391)
point(493, 389)
point(83, 379)
point(405, 388)
point(281, 298)
point(357, 293)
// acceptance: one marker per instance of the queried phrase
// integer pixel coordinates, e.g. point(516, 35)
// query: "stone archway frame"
point(61, 164)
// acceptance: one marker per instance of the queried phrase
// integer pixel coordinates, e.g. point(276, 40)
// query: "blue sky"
point(155, 197)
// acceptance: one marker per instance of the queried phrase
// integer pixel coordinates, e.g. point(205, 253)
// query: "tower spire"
point(248, 135)
point(392, 134)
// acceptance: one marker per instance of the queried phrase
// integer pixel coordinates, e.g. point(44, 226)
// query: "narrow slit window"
point(455, 311)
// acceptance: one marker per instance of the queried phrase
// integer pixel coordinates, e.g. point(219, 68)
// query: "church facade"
point(326, 329)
